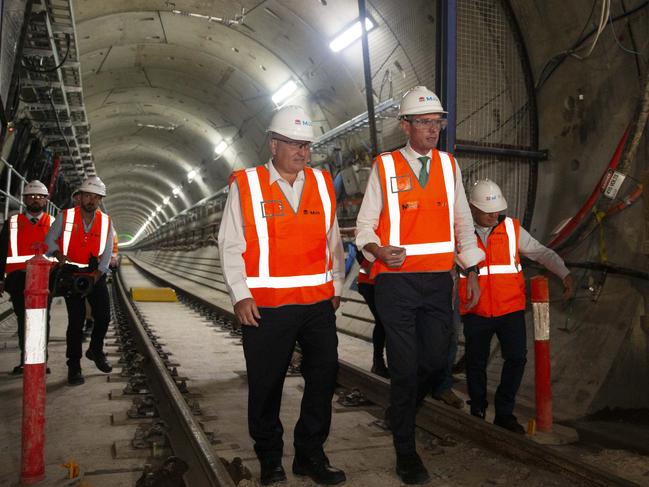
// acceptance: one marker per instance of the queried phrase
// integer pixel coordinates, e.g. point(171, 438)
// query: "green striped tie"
point(423, 173)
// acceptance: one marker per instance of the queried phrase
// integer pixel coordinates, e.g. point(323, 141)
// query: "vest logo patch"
point(272, 208)
point(399, 184)
point(310, 212)
point(410, 205)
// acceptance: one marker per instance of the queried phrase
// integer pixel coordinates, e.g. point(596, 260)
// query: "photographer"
point(79, 236)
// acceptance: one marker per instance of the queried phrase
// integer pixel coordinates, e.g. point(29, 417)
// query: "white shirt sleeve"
point(232, 245)
point(468, 252)
point(548, 258)
point(335, 244)
point(368, 215)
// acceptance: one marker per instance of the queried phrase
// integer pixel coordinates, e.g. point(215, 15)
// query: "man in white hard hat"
point(19, 234)
point(283, 265)
point(81, 236)
point(501, 307)
point(413, 220)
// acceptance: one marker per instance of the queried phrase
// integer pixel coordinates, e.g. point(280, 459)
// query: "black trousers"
point(416, 311)
point(15, 286)
point(478, 331)
point(378, 335)
point(268, 350)
point(100, 302)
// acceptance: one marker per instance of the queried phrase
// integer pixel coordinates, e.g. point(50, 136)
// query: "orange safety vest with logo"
point(418, 219)
point(78, 245)
point(22, 236)
point(287, 257)
point(364, 272)
point(502, 284)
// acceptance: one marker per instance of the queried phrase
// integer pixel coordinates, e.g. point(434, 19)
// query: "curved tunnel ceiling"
point(162, 90)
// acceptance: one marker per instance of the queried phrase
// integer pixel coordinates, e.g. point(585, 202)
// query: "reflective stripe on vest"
point(14, 258)
point(513, 267)
point(395, 215)
point(265, 280)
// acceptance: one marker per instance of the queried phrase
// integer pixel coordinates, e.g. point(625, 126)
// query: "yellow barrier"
point(158, 294)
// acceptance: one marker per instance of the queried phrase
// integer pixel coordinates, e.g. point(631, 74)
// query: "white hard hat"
point(93, 185)
point(418, 101)
point(487, 196)
point(36, 187)
point(292, 121)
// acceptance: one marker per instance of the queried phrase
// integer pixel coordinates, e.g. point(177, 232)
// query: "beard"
point(34, 208)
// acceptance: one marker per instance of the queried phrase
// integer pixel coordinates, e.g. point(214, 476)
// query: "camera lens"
point(82, 284)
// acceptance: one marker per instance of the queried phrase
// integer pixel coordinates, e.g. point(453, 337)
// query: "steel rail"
point(185, 434)
point(440, 420)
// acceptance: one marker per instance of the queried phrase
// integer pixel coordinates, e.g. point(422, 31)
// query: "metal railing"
point(16, 202)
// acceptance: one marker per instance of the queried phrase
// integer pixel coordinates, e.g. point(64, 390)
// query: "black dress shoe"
point(411, 469)
point(99, 358)
point(478, 413)
point(75, 377)
point(319, 469)
point(271, 473)
point(17, 370)
point(510, 423)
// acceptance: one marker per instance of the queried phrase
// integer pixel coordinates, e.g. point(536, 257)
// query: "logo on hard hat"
point(425, 98)
point(302, 122)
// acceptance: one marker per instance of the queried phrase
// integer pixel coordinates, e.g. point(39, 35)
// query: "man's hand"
point(568, 286)
point(390, 255)
point(247, 312)
point(58, 255)
point(472, 290)
point(335, 301)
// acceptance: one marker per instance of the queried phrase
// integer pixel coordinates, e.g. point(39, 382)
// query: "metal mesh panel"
point(398, 66)
point(493, 100)
point(511, 174)
point(12, 21)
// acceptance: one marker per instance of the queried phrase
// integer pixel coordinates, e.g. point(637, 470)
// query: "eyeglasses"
point(296, 145)
point(35, 196)
point(427, 123)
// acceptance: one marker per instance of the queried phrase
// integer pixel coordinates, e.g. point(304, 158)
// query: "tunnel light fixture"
point(176, 191)
point(284, 92)
point(220, 148)
point(166, 200)
point(191, 175)
point(169, 128)
point(349, 35)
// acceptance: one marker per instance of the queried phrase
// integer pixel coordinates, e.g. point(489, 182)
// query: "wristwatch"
point(473, 268)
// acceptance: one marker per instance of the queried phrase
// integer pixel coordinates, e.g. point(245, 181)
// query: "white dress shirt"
point(468, 252)
point(232, 240)
point(532, 249)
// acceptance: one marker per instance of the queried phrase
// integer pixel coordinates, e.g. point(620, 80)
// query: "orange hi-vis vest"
point(287, 257)
point(502, 284)
point(364, 272)
point(78, 245)
point(415, 218)
point(22, 237)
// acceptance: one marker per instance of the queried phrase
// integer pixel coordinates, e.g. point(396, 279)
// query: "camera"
point(72, 280)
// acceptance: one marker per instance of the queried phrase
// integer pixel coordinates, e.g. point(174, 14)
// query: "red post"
point(542, 374)
point(33, 428)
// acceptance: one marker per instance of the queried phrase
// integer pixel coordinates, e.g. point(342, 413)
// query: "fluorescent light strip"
point(220, 148)
point(344, 39)
point(284, 92)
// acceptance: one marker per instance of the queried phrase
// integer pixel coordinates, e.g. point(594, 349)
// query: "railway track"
point(190, 442)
